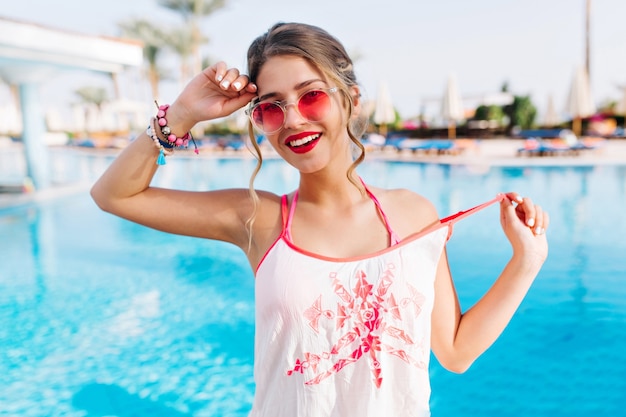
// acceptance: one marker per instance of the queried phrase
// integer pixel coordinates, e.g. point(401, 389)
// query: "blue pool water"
point(101, 317)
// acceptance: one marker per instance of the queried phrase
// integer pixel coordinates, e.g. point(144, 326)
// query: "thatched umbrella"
point(551, 118)
point(580, 101)
point(452, 106)
point(384, 112)
point(621, 106)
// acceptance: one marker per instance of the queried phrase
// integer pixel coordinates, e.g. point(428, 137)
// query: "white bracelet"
point(151, 132)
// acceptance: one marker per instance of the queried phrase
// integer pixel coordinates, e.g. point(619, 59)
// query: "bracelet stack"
point(162, 135)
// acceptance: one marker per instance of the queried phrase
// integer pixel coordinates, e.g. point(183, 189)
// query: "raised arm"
point(124, 189)
point(459, 338)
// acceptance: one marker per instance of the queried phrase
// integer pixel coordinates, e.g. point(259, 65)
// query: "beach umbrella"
point(551, 118)
point(94, 120)
point(10, 119)
point(54, 120)
point(621, 106)
point(127, 113)
point(384, 112)
point(451, 106)
point(580, 101)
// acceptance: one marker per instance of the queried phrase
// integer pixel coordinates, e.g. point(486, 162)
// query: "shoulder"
point(410, 202)
point(267, 222)
point(262, 203)
point(251, 221)
point(408, 211)
point(268, 200)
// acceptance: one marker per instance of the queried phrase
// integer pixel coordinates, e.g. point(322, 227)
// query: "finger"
point(241, 82)
point(238, 101)
point(539, 227)
point(546, 221)
point(251, 87)
point(229, 77)
point(514, 197)
point(507, 210)
point(220, 71)
point(526, 212)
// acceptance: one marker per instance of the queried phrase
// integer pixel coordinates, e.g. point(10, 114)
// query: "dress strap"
point(450, 220)
point(464, 213)
point(287, 213)
point(393, 236)
point(284, 212)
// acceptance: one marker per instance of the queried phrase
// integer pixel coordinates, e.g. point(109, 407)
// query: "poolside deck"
point(490, 152)
point(504, 152)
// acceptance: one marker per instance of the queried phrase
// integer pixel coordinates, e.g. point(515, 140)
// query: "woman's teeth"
point(303, 141)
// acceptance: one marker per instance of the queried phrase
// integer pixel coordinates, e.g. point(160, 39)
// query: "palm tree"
point(588, 38)
point(116, 85)
point(207, 61)
point(92, 96)
point(153, 39)
point(192, 11)
point(180, 41)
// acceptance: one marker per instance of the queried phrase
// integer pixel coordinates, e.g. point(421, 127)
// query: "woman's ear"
point(355, 93)
point(359, 118)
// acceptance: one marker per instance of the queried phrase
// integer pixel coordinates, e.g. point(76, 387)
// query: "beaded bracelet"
point(165, 129)
point(164, 148)
point(162, 135)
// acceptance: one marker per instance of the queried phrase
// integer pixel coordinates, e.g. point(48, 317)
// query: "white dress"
point(346, 337)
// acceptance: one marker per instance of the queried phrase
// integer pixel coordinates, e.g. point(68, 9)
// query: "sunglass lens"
point(314, 105)
point(268, 117)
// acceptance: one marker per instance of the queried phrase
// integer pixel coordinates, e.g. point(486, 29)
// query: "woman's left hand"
point(216, 92)
point(524, 224)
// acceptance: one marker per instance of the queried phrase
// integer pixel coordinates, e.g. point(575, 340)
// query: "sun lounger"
point(15, 187)
point(555, 147)
point(434, 146)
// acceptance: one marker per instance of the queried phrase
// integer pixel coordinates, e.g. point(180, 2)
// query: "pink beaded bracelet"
point(165, 129)
point(162, 135)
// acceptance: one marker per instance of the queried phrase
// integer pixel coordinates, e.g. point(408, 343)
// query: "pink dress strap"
point(284, 209)
point(288, 213)
point(464, 213)
point(393, 236)
point(450, 220)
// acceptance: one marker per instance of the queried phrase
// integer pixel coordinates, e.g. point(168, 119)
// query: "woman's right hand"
point(216, 92)
point(525, 224)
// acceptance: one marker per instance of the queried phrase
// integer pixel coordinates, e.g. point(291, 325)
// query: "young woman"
point(353, 288)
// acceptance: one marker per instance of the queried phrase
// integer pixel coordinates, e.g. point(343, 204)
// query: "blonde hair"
point(325, 53)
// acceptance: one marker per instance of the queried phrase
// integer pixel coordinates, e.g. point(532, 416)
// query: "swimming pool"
point(101, 317)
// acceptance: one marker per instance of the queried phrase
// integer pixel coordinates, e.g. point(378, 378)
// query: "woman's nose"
point(293, 118)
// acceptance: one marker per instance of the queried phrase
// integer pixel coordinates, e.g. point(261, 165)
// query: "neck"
point(330, 188)
point(330, 185)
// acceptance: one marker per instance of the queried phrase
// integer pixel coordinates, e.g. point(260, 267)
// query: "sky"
point(413, 46)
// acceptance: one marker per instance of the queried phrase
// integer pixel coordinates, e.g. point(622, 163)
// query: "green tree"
point(207, 61)
point(180, 42)
point(522, 112)
point(192, 12)
point(491, 112)
point(153, 39)
point(90, 95)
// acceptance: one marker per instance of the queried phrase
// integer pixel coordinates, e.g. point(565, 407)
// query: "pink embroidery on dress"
point(314, 313)
point(373, 313)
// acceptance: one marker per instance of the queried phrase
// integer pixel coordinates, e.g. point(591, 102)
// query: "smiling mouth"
point(303, 141)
